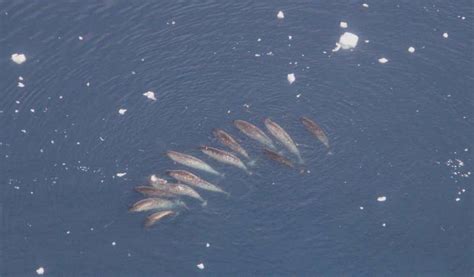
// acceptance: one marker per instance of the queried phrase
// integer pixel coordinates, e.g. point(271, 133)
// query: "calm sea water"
point(403, 130)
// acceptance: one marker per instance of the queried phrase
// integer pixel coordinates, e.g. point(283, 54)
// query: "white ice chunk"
point(80, 38)
point(121, 174)
point(445, 35)
point(21, 85)
point(383, 60)
point(150, 95)
point(280, 15)
point(208, 245)
point(200, 266)
point(40, 270)
point(20, 78)
point(346, 41)
point(411, 49)
point(122, 111)
point(365, 5)
point(291, 78)
point(381, 198)
point(343, 24)
point(18, 58)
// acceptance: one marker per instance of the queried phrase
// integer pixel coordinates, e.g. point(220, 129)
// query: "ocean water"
point(403, 130)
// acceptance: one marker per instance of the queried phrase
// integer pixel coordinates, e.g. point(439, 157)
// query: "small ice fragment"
point(298, 95)
point(291, 78)
point(20, 78)
point(361, 207)
point(40, 270)
point(32, 110)
point(365, 5)
point(23, 131)
point(383, 224)
point(80, 38)
point(18, 58)
point(200, 266)
point(21, 85)
point(411, 49)
point(366, 41)
point(381, 198)
point(121, 174)
point(346, 41)
point(173, 22)
point(153, 178)
point(343, 24)
point(280, 15)
point(122, 111)
point(150, 95)
point(257, 55)
point(445, 35)
point(114, 243)
point(290, 37)
point(68, 232)
point(458, 199)
point(259, 39)
point(383, 60)
point(208, 245)
point(88, 84)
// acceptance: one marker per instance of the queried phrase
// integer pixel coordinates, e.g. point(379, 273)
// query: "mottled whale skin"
point(224, 157)
point(148, 204)
point(191, 161)
point(155, 217)
point(227, 140)
point(254, 132)
point(169, 190)
point(278, 158)
point(314, 129)
point(193, 180)
point(283, 137)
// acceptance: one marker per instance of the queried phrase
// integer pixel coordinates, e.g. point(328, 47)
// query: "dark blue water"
point(403, 130)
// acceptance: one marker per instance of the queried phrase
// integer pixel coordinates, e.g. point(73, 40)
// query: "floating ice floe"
point(346, 41)
point(280, 15)
point(121, 174)
point(381, 198)
point(291, 78)
point(200, 266)
point(365, 5)
point(40, 270)
point(80, 38)
point(150, 95)
point(18, 58)
point(445, 35)
point(208, 245)
point(383, 60)
point(411, 49)
point(343, 24)
point(122, 111)
point(21, 85)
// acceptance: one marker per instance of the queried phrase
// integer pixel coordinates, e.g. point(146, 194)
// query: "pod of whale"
point(164, 197)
